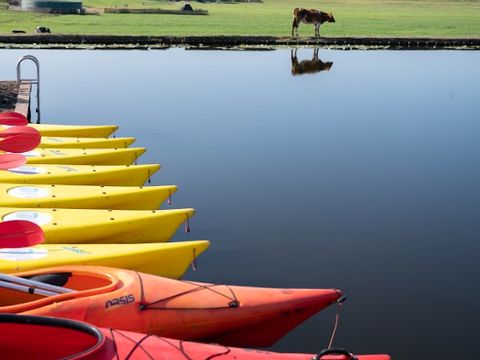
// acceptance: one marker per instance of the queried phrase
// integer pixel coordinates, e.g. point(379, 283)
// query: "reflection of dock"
point(14, 97)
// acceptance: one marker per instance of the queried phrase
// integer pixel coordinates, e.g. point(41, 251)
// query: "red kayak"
point(132, 301)
point(45, 338)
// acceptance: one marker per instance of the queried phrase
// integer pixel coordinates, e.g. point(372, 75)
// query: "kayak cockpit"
point(28, 337)
point(40, 288)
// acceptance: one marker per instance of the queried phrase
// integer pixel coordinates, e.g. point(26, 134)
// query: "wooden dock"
point(14, 97)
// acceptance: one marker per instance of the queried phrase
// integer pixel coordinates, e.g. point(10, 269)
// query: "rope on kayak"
point(181, 348)
point(137, 346)
point(169, 200)
point(227, 350)
point(339, 303)
point(234, 303)
point(114, 343)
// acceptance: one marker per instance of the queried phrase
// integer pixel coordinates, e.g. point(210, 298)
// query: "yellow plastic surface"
point(96, 131)
point(163, 259)
point(85, 196)
point(85, 143)
point(76, 226)
point(117, 175)
point(120, 156)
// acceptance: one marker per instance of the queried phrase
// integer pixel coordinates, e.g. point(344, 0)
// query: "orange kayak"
point(132, 301)
point(84, 341)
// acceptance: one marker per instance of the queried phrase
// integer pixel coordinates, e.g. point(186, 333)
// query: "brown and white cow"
point(308, 66)
point(312, 16)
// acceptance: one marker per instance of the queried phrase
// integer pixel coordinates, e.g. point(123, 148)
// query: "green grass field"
point(408, 18)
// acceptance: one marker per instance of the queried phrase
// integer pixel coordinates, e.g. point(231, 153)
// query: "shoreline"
point(63, 41)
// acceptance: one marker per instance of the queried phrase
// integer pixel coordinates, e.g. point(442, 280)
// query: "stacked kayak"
point(133, 301)
point(114, 175)
point(73, 226)
point(86, 131)
point(164, 259)
point(89, 214)
point(79, 156)
point(82, 239)
point(85, 143)
point(84, 341)
point(85, 197)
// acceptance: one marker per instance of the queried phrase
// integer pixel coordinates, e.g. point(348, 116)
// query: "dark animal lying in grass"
point(42, 30)
point(312, 16)
point(187, 7)
point(309, 66)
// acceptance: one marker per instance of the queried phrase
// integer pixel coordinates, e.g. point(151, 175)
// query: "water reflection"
point(377, 193)
point(308, 66)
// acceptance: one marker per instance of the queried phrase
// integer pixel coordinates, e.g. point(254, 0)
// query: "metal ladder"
point(30, 81)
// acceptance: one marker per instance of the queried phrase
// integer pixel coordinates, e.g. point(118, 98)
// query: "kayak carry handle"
point(187, 224)
point(194, 261)
point(325, 352)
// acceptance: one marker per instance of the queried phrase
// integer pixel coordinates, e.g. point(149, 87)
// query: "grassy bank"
point(409, 18)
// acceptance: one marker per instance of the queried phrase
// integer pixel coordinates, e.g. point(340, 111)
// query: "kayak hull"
point(91, 131)
point(72, 226)
point(114, 175)
point(84, 341)
point(139, 302)
point(164, 259)
point(85, 143)
point(85, 196)
point(119, 156)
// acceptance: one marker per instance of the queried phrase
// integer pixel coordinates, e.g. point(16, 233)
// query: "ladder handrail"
point(30, 81)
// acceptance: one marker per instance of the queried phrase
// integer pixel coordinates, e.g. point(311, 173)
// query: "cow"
point(312, 16)
point(42, 30)
point(308, 66)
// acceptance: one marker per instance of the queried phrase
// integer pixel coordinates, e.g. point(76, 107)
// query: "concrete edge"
point(62, 41)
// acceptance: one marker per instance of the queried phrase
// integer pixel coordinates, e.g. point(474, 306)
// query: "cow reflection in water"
point(309, 66)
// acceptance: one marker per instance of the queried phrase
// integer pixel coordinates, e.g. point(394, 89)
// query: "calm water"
point(364, 178)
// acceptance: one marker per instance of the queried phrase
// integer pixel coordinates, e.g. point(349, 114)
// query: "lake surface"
point(365, 177)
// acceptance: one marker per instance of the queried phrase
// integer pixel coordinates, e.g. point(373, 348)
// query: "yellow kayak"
point(95, 131)
point(163, 259)
point(85, 197)
point(75, 226)
point(84, 156)
point(85, 143)
point(123, 175)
